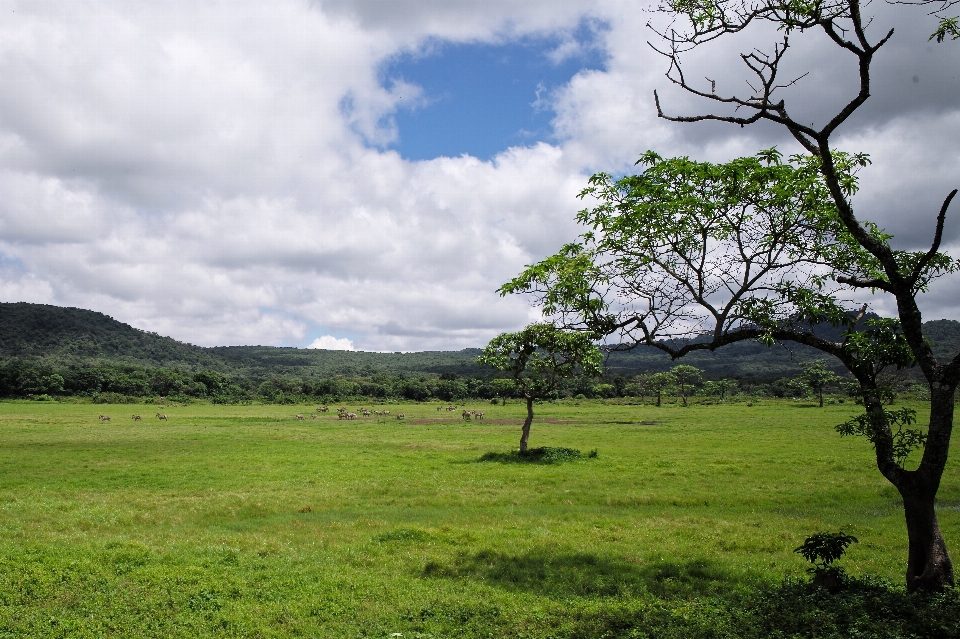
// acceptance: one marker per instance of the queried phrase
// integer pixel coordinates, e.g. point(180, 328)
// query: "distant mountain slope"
point(73, 334)
point(753, 359)
point(262, 361)
point(41, 330)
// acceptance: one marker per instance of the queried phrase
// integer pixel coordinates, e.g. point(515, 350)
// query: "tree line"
point(118, 383)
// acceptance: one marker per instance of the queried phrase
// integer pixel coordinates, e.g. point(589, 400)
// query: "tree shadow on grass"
point(584, 574)
point(542, 455)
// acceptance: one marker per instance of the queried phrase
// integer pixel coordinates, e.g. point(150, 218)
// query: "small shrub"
point(542, 455)
point(822, 549)
point(867, 608)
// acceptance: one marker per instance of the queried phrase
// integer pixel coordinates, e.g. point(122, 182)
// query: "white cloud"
point(331, 343)
point(205, 170)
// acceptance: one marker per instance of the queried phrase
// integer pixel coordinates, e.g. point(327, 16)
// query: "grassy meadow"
point(241, 521)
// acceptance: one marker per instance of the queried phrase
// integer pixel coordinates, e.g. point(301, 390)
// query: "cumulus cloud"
point(331, 343)
point(218, 174)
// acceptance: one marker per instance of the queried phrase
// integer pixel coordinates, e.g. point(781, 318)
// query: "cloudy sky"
point(364, 174)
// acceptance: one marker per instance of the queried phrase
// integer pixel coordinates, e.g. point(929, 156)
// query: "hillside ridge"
point(43, 331)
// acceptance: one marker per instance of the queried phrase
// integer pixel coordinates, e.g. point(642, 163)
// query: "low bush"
point(542, 455)
point(864, 607)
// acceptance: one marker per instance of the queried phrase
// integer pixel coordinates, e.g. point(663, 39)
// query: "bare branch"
point(937, 236)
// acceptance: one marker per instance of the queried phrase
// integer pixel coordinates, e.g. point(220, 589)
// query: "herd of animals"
point(342, 413)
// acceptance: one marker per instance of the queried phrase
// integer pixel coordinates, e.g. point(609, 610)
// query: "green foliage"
point(604, 390)
point(665, 247)
point(686, 378)
point(866, 608)
point(905, 440)
point(720, 388)
point(948, 28)
point(823, 548)
point(540, 356)
point(541, 455)
point(817, 376)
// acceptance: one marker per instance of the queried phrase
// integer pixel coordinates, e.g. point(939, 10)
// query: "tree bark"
point(525, 433)
point(929, 567)
point(928, 562)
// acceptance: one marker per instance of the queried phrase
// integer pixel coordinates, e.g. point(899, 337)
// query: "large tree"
point(690, 256)
point(538, 358)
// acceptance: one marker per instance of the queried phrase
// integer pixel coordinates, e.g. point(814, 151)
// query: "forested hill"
point(44, 331)
point(73, 335)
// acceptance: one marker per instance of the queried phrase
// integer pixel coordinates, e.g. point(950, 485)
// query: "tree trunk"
point(928, 563)
point(820, 395)
point(659, 393)
point(525, 433)
point(929, 567)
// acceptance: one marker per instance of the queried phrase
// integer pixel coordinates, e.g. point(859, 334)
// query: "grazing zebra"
point(135, 418)
point(104, 418)
point(161, 416)
point(323, 409)
point(299, 418)
point(401, 416)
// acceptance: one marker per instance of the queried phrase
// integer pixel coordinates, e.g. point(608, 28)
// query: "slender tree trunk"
point(525, 433)
point(659, 393)
point(820, 395)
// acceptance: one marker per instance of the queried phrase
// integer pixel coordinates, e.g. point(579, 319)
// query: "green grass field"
point(242, 521)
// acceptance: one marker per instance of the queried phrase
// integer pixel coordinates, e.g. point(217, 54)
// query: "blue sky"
point(482, 98)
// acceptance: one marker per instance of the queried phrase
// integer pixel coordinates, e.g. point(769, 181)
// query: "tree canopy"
point(689, 256)
point(538, 358)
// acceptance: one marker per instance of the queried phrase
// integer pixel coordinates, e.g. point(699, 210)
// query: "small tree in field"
point(503, 388)
point(690, 256)
point(538, 358)
point(687, 378)
point(720, 387)
point(661, 383)
point(816, 376)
